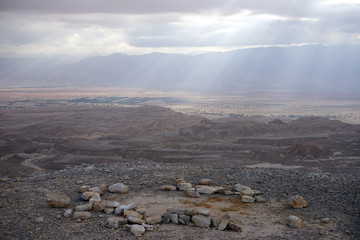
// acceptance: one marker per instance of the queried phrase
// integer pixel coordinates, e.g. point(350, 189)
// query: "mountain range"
point(312, 67)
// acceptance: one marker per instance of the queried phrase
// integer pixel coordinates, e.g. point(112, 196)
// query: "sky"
point(102, 27)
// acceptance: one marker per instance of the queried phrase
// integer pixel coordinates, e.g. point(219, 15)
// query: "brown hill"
point(301, 127)
point(306, 150)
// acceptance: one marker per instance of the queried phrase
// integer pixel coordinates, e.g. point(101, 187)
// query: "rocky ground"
point(333, 213)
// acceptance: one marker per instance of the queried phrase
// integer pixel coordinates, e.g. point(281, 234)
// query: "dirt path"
point(29, 162)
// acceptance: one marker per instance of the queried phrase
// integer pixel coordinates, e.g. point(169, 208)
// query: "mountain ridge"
point(312, 67)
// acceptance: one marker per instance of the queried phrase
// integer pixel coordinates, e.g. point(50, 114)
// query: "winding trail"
point(29, 162)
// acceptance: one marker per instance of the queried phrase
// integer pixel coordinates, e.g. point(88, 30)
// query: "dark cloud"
point(283, 7)
point(108, 6)
point(94, 24)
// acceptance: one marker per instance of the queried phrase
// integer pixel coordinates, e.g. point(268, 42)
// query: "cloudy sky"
point(102, 27)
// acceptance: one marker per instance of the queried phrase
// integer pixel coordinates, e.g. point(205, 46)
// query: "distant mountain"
point(299, 68)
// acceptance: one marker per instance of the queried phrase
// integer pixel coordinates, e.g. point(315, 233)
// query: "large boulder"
point(57, 200)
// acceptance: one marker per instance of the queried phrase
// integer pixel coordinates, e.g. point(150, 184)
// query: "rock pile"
point(125, 215)
point(199, 218)
point(135, 220)
point(205, 187)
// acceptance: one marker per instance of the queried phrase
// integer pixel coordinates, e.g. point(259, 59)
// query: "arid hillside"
point(46, 151)
point(41, 139)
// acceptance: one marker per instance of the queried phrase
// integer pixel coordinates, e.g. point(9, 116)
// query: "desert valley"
point(149, 140)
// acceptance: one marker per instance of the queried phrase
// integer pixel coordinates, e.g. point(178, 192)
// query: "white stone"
point(84, 207)
point(176, 210)
point(112, 223)
point(204, 212)
point(95, 199)
point(153, 220)
point(193, 194)
point(202, 189)
point(201, 221)
point(294, 221)
point(184, 186)
point(148, 227)
point(224, 222)
point(118, 188)
point(68, 213)
point(247, 199)
point(122, 208)
point(260, 199)
point(205, 181)
point(239, 187)
point(174, 218)
point(137, 230)
point(109, 204)
point(83, 189)
point(134, 219)
point(109, 210)
point(87, 195)
point(247, 192)
point(95, 189)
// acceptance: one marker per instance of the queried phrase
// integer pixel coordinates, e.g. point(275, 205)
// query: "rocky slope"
point(333, 197)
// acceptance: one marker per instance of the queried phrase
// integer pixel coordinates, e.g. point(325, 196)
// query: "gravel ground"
point(332, 195)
